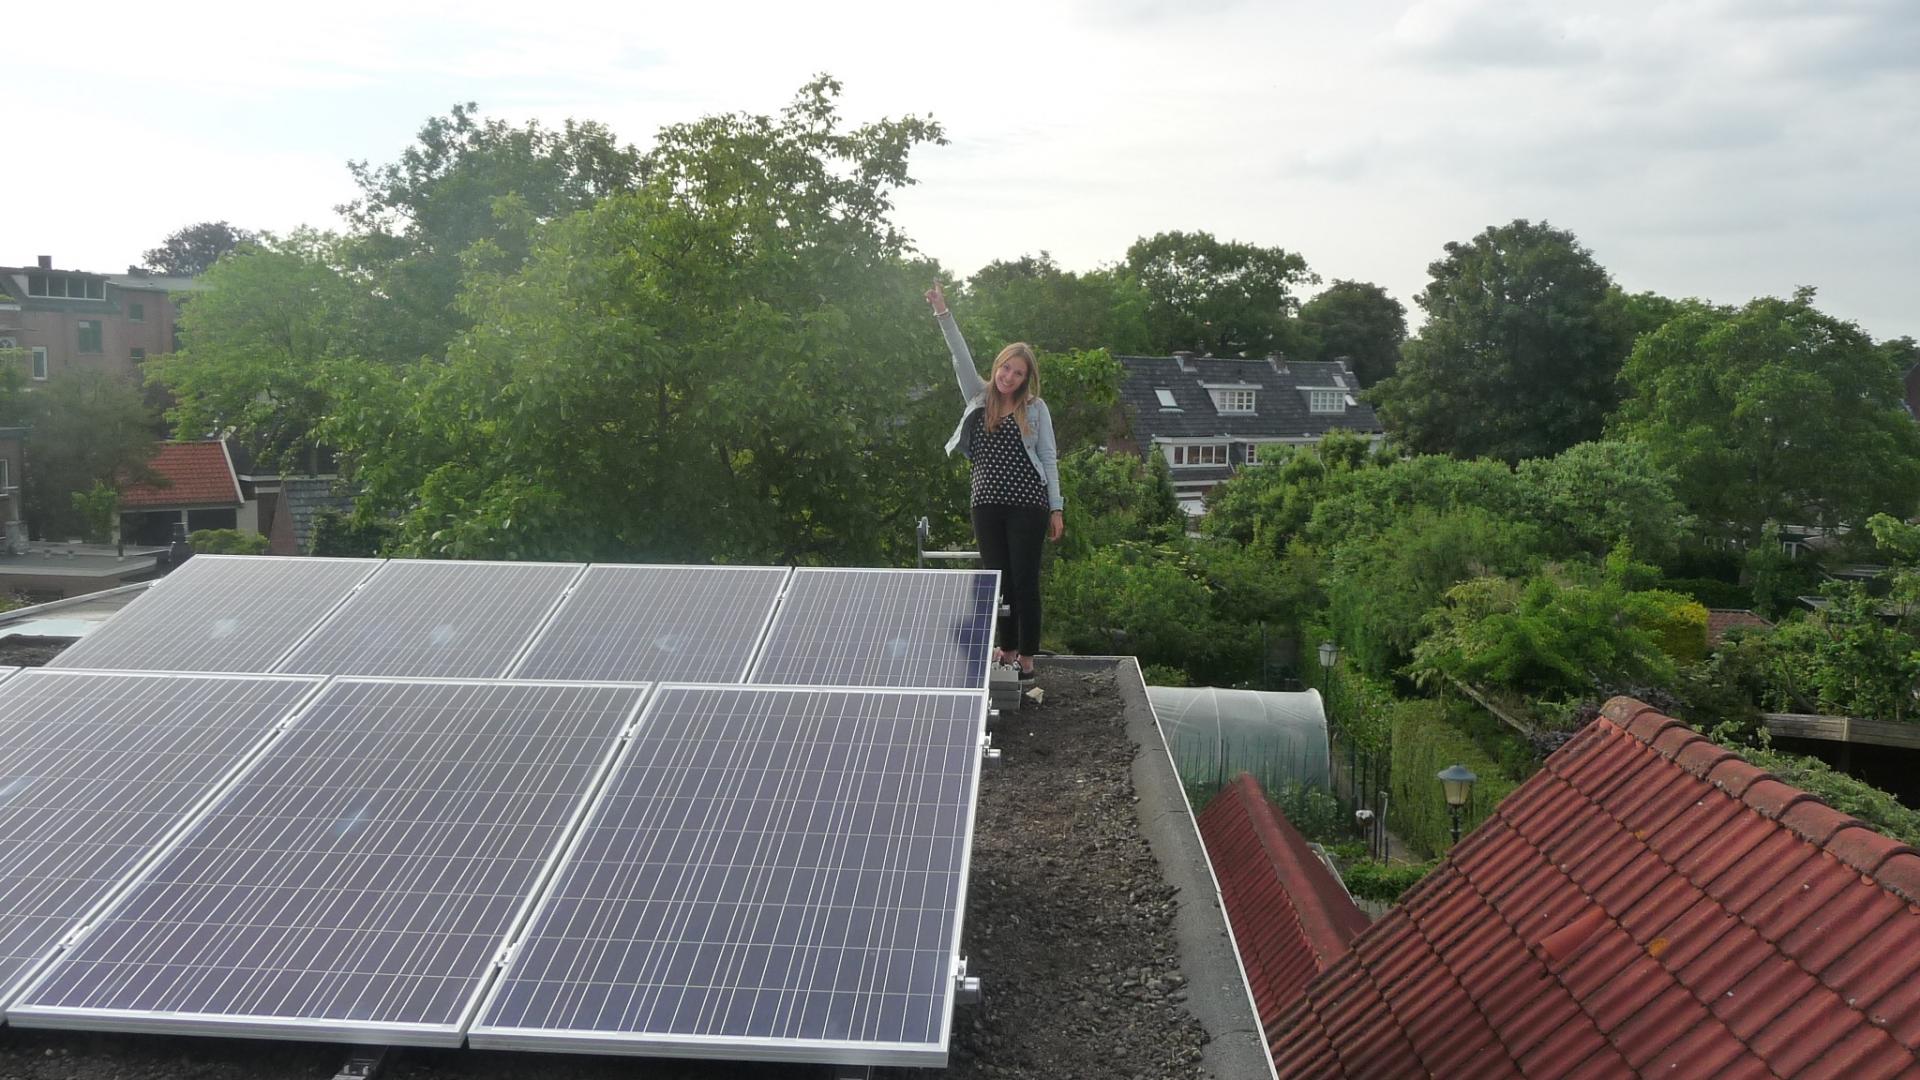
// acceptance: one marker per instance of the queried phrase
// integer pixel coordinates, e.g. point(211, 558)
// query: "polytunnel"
point(1278, 736)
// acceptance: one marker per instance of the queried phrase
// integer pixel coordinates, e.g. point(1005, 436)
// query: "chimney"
point(1278, 362)
point(46, 262)
point(1183, 359)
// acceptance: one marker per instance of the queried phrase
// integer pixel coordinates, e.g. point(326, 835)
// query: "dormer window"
point(66, 286)
point(1233, 401)
point(1166, 397)
point(1327, 401)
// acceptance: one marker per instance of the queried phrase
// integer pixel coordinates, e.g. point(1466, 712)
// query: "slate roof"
point(1280, 401)
point(306, 498)
point(1647, 904)
point(200, 474)
point(1291, 917)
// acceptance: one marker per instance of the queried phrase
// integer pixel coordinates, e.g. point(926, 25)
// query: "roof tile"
point(1901, 873)
point(1627, 912)
point(191, 474)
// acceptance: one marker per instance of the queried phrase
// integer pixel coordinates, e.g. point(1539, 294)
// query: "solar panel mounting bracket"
point(363, 1063)
point(966, 988)
point(989, 753)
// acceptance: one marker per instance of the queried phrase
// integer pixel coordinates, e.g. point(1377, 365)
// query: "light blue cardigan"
point(1038, 438)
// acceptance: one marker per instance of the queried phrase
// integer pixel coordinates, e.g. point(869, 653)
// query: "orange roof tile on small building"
point(199, 474)
point(1721, 620)
point(1647, 904)
point(1291, 917)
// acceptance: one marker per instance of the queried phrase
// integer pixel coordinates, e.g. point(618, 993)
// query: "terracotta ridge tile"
point(1770, 798)
point(1735, 775)
point(1864, 849)
point(1701, 757)
point(1675, 738)
point(1816, 822)
point(1900, 873)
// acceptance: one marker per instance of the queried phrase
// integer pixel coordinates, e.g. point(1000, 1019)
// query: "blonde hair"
point(999, 407)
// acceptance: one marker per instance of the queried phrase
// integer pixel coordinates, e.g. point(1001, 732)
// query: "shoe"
point(1029, 674)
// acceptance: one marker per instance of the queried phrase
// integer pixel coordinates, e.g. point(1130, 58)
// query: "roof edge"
point(1893, 864)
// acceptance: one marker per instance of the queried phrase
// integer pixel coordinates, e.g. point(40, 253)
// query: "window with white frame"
point(1327, 401)
point(1166, 397)
point(3, 475)
point(1233, 401)
point(66, 286)
point(1199, 454)
point(1253, 453)
point(88, 336)
point(39, 362)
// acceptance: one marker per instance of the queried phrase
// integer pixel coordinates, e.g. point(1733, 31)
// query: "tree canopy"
point(1518, 357)
point(1031, 299)
point(722, 363)
point(1357, 322)
point(1772, 411)
point(1218, 296)
point(192, 251)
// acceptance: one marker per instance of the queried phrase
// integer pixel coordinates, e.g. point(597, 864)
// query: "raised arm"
point(971, 384)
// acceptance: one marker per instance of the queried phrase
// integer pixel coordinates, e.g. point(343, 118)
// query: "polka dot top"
point(1003, 474)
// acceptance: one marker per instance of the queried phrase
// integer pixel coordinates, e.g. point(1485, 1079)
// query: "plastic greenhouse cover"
point(1280, 737)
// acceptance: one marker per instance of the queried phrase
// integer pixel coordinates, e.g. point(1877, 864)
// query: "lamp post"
point(1329, 656)
point(1457, 782)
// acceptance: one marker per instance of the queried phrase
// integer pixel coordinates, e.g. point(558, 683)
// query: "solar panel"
point(907, 628)
point(658, 623)
point(361, 880)
point(220, 613)
point(769, 874)
point(96, 769)
point(435, 620)
point(6, 671)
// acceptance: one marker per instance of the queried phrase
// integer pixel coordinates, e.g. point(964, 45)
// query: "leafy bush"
point(1316, 813)
point(1164, 675)
point(228, 542)
point(1384, 882)
point(1424, 743)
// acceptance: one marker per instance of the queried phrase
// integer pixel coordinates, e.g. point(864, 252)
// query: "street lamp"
point(1329, 655)
point(1457, 782)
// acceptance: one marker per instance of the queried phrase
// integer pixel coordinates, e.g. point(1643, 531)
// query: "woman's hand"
point(938, 299)
point(1056, 526)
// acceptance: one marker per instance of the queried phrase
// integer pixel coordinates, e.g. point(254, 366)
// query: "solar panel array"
point(466, 773)
point(95, 770)
point(220, 613)
point(766, 865)
point(918, 628)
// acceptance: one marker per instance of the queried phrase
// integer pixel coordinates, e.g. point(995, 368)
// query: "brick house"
point(70, 320)
point(1210, 416)
point(13, 459)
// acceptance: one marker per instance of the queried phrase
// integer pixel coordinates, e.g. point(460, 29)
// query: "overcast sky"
point(1714, 148)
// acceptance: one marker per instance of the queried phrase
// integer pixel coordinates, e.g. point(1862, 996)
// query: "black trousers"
point(1010, 541)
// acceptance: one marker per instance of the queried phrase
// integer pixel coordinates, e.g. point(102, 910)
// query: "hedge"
point(1424, 743)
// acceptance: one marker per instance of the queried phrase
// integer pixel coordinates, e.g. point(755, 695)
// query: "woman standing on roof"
point(1007, 434)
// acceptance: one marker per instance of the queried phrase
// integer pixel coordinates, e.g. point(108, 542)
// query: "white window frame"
point(3, 476)
point(1166, 398)
point(46, 277)
point(1235, 402)
point(100, 331)
point(1183, 455)
point(40, 363)
point(1326, 401)
point(1253, 451)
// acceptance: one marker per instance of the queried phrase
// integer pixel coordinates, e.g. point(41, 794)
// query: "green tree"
point(1357, 322)
point(468, 179)
point(1082, 391)
point(1519, 353)
point(1031, 299)
point(228, 542)
point(1217, 296)
point(89, 428)
point(1594, 496)
point(1773, 411)
point(722, 364)
point(99, 510)
point(268, 343)
point(192, 251)
point(15, 403)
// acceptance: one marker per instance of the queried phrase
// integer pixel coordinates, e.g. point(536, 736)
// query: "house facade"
point(13, 461)
point(1210, 416)
point(66, 321)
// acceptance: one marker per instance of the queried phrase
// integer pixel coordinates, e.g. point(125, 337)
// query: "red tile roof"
point(1291, 917)
point(201, 474)
point(1721, 620)
point(1647, 904)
